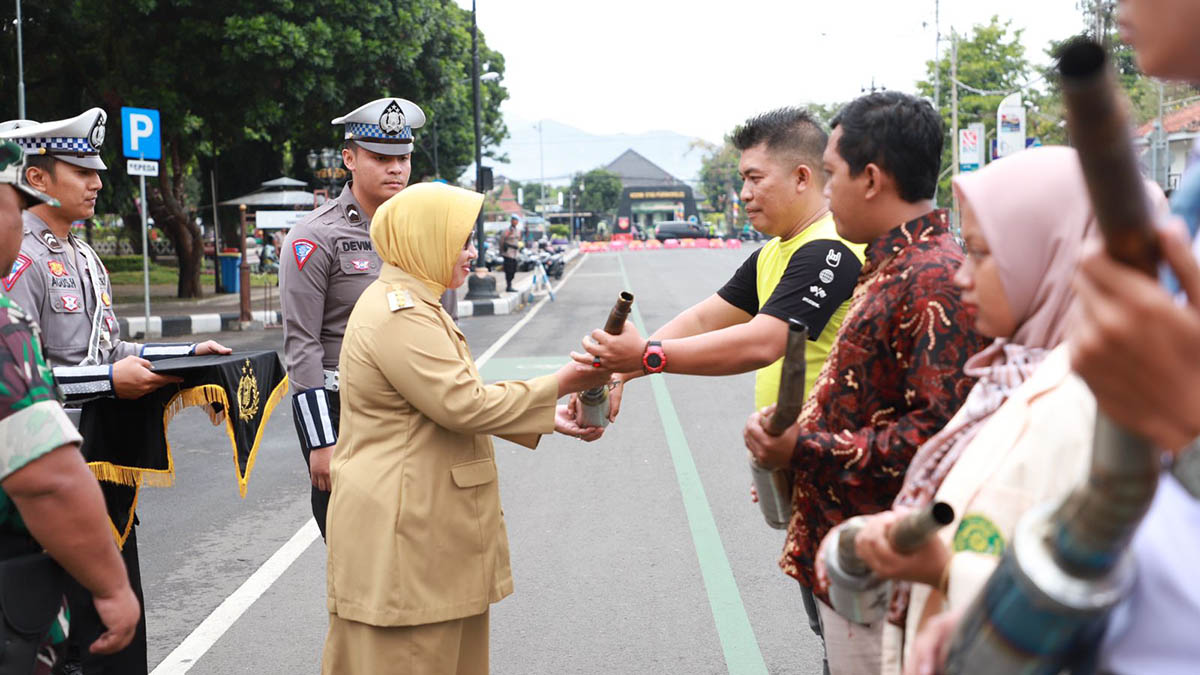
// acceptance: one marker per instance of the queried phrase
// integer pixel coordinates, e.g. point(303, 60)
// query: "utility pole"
point(436, 171)
point(541, 163)
point(1162, 147)
point(937, 57)
point(954, 100)
point(20, 67)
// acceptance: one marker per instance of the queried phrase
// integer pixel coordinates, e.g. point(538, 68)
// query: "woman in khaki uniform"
point(417, 544)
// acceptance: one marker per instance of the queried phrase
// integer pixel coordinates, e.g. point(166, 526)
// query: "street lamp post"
point(480, 285)
point(326, 159)
point(21, 68)
point(478, 138)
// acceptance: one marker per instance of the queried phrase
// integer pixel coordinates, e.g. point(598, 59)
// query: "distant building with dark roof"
point(649, 194)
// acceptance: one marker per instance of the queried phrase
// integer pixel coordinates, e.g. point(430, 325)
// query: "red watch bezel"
point(654, 347)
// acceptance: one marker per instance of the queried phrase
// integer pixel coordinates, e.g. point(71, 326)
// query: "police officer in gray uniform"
point(326, 262)
point(61, 284)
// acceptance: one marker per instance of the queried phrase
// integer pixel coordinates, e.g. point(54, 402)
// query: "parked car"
point(680, 229)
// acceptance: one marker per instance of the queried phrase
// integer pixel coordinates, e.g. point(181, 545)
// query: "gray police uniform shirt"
point(61, 286)
point(326, 262)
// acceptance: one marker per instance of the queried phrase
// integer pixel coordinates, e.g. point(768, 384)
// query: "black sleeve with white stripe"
point(313, 418)
point(84, 383)
point(155, 351)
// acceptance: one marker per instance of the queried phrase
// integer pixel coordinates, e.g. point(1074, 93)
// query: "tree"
point(533, 194)
point(598, 191)
point(241, 80)
point(719, 176)
point(991, 60)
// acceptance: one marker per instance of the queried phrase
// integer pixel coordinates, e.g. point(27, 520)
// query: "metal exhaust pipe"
point(774, 486)
point(593, 403)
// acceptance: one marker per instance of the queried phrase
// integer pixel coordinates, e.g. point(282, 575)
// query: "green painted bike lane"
point(738, 642)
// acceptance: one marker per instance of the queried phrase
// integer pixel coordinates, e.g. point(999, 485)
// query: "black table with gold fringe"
point(125, 441)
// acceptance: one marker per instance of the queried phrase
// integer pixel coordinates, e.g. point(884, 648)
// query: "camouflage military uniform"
point(32, 423)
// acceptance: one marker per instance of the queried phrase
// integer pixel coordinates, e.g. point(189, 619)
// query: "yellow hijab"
point(422, 229)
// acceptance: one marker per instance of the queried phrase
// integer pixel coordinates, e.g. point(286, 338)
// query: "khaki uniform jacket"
point(415, 530)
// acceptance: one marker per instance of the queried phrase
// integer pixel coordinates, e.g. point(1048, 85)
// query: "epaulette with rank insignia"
point(399, 299)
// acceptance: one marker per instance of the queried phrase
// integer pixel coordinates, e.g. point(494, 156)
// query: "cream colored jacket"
point(415, 530)
point(1035, 448)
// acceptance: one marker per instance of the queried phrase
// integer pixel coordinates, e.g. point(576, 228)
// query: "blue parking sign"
point(140, 133)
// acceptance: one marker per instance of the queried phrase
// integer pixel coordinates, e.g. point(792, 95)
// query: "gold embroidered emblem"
point(247, 393)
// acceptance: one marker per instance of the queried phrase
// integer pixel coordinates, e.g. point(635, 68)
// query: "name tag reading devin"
point(399, 299)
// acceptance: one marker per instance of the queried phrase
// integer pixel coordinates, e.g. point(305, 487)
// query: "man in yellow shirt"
point(806, 272)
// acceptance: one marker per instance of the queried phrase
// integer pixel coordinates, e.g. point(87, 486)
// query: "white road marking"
point(499, 344)
point(200, 640)
point(227, 613)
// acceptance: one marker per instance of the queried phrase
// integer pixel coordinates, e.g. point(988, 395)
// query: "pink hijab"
point(1034, 212)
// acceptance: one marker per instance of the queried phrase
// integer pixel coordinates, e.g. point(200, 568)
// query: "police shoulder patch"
point(19, 266)
point(978, 534)
point(52, 241)
point(303, 250)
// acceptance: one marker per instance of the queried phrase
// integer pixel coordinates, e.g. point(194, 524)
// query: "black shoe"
point(509, 290)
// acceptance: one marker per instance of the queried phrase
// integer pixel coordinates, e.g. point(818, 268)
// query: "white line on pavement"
point(227, 613)
point(498, 344)
point(200, 640)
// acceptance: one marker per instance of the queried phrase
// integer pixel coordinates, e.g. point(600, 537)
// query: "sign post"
point(970, 147)
point(1010, 126)
point(141, 142)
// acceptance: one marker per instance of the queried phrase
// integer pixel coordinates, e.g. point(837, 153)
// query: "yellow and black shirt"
point(809, 277)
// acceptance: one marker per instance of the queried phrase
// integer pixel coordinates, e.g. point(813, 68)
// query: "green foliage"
point(559, 231)
point(719, 175)
point(253, 83)
point(990, 59)
point(532, 193)
point(122, 263)
point(598, 191)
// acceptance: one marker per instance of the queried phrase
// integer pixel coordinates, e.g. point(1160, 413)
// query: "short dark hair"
point(44, 162)
point(899, 133)
point(790, 131)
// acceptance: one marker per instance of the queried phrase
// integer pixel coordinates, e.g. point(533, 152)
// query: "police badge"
point(392, 120)
point(96, 135)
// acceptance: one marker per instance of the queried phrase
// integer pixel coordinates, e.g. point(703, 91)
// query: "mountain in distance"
point(566, 151)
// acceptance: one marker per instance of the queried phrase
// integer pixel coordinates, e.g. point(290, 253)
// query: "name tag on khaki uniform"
point(399, 299)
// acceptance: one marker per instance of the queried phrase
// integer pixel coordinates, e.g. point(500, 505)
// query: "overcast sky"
point(699, 67)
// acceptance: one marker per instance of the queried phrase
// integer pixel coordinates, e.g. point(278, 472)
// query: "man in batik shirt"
point(895, 375)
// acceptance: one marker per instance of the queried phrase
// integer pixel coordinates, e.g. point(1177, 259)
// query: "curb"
point(134, 328)
point(508, 303)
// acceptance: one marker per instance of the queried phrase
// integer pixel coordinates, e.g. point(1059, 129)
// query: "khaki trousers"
point(457, 647)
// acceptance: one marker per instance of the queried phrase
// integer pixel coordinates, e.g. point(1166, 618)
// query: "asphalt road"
point(639, 553)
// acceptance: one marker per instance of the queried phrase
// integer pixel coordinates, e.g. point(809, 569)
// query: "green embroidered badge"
point(978, 534)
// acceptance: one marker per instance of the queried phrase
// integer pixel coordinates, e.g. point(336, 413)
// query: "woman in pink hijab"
point(1023, 436)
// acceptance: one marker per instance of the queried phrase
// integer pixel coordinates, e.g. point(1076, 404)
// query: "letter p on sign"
point(140, 133)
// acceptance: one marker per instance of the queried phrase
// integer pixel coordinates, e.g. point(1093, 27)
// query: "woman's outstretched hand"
point(574, 377)
point(565, 423)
